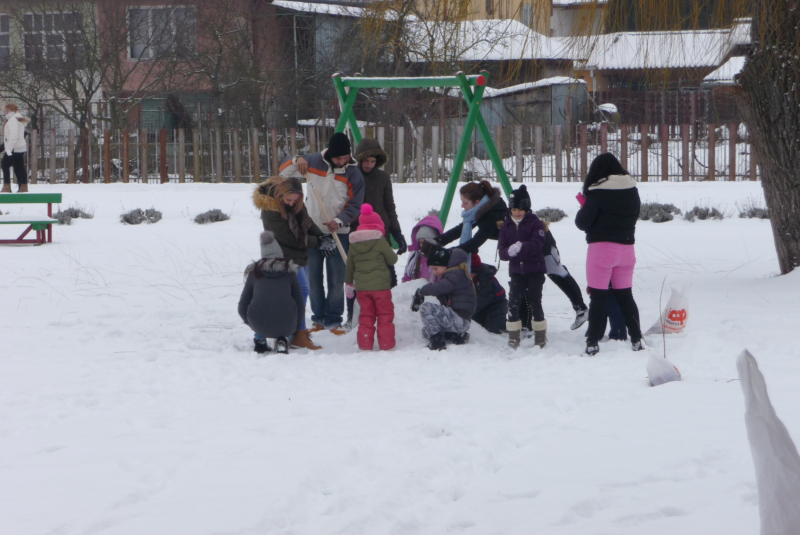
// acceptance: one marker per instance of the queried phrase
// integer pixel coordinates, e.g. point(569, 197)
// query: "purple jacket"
point(531, 233)
point(424, 273)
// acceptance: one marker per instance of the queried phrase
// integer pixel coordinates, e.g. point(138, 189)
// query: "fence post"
point(276, 163)
point(52, 177)
point(293, 140)
point(256, 154)
point(181, 156)
point(753, 164)
point(537, 144)
point(382, 137)
point(237, 159)
point(623, 145)
point(584, 150)
point(604, 137)
point(685, 151)
point(435, 153)
point(643, 133)
point(126, 156)
point(518, 150)
point(33, 157)
point(712, 151)
point(664, 152)
point(71, 156)
point(312, 138)
point(558, 153)
point(162, 155)
point(196, 161)
point(107, 156)
point(85, 155)
point(420, 150)
point(401, 152)
point(143, 167)
point(733, 131)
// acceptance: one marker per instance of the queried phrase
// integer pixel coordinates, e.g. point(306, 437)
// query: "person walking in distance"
point(14, 149)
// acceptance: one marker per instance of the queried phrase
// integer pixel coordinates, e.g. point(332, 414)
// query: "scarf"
point(468, 217)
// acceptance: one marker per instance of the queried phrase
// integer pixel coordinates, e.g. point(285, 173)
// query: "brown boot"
point(514, 331)
point(302, 340)
point(316, 327)
point(6, 188)
point(339, 331)
point(23, 188)
point(540, 332)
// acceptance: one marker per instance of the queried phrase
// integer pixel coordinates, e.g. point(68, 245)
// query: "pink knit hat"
point(369, 220)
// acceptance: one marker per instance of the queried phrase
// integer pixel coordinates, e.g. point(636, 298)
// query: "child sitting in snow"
point(521, 240)
point(448, 321)
point(417, 267)
point(368, 276)
point(272, 302)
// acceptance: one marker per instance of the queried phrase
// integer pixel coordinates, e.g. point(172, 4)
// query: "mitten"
point(417, 301)
point(514, 249)
point(349, 291)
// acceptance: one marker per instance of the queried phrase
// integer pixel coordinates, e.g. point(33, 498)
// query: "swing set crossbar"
point(360, 82)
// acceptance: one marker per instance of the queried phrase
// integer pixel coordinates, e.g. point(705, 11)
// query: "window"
point(489, 8)
point(5, 42)
point(527, 15)
point(54, 39)
point(157, 32)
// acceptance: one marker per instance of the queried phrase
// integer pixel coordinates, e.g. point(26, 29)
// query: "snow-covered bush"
point(212, 216)
point(137, 216)
point(753, 209)
point(552, 215)
point(65, 217)
point(704, 213)
point(657, 212)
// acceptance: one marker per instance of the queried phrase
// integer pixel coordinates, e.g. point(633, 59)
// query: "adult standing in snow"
point(608, 215)
point(15, 148)
point(339, 184)
point(283, 213)
point(483, 207)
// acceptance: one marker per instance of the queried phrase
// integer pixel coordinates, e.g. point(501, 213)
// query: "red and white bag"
point(674, 317)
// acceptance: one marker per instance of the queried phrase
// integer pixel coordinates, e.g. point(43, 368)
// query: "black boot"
point(282, 345)
point(597, 316)
point(458, 339)
point(437, 342)
point(570, 287)
point(261, 346)
point(630, 312)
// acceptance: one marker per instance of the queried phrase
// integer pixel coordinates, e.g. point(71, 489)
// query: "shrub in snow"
point(212, 216)
point(703, 214)
point(432, 211)
point(553, 215)
point(137, 216)
point(65, 217)
point(657, 212)
point(752, 209)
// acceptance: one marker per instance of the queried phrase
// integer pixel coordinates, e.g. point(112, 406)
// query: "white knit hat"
point(269, 247)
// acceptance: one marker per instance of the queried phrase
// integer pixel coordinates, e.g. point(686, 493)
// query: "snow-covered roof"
point(321, 9)
point(556, 80)
point(726, 72)
point(570, 3)
point(481, 40)
point(329, 121)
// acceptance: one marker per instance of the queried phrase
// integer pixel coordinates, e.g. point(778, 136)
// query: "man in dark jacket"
point(449, 320)
point(492, 305)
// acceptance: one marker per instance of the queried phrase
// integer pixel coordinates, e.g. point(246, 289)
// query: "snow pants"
point(561, 277)
point(441, 319)
point(492, 317)
point(376, 305)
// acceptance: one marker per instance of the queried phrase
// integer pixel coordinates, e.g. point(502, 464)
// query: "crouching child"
point(368, 276)
point(272, 302)
point(448, 321)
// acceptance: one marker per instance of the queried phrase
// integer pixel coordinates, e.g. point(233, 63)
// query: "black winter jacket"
point(610, 211)
point(377, 188)
point(455, 289)
point(488, 220)
point(272, 303)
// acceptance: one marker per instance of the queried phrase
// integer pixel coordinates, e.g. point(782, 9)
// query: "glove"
point(349, 291)
point(514, 249)
point(327, 245)
point(417, 301)
point(402, 248)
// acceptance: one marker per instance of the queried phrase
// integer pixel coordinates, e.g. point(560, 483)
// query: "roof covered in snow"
point(320, 9)
point(547, 82)
point(578, 3)
point(726, 72)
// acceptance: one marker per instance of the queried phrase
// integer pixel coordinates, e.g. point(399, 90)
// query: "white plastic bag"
point(661, 371)
point(774, 454)
point(673, 318)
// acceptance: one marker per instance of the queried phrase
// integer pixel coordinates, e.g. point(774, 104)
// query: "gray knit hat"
point(426, 232)
point(269, 247)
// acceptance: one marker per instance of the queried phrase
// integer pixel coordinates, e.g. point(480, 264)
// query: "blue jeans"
point(302, 276)
point(327, 309)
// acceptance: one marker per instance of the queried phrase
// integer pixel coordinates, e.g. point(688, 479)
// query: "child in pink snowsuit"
point(417, 268)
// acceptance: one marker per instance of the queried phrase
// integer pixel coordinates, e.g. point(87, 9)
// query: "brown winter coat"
point(378, 187)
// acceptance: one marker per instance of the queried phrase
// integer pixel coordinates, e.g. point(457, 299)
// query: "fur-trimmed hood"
point(365, 235)
point(368, 147)
point(272, 267)
point(494, 198)
point(263, 199)
point(615, 182)
point(21, 118)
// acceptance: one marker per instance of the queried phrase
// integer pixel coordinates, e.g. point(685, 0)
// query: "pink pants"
point(610, 262)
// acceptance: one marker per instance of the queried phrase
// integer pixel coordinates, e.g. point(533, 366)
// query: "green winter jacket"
point(368, 261)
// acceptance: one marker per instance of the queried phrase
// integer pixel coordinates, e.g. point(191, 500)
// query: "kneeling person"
point(492, 307)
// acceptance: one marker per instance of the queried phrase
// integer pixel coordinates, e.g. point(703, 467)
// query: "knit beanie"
point(439, 256)
point(476, 264)
point(270, 248)
point(369, 220)
point(338, 145)
point(520, 199)
point(426, 233)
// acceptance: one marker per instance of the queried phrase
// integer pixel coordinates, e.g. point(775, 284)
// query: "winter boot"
point(6, 188)
point(302, 340)
point(437, 342)
point(339, 331)
point(637, 345)
point(458, 339)
point(592, 349)
point(282, 345)
point(261, 345)
point(540, 332)
point(23, 188)
point(316, 327)
point(514, 329)
point(581, 317)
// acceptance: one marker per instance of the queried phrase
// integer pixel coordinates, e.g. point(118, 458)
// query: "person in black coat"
point(492, 306)
point(484, 208)
point(608, 215)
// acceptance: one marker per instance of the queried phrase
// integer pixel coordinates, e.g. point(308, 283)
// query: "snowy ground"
point(131, 402)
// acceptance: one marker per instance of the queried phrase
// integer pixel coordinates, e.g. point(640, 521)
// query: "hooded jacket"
point(368, 261)
point(455, 289)
point(610, 211)
point(531, 233)
point(378, 187)
point(488, 220)
point(14, 134)
point(492, 302)
point(272, 303)
point(416, 256)
point(340, 189)
point(296, 233)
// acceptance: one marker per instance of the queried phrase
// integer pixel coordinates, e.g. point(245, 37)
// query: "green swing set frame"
point(347, 90)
